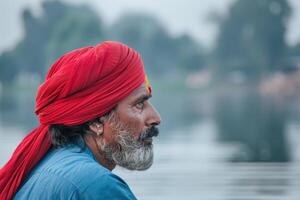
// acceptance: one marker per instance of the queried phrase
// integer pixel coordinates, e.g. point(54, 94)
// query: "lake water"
point(192, 164)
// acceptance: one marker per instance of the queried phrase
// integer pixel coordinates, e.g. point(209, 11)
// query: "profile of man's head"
point(123, 135)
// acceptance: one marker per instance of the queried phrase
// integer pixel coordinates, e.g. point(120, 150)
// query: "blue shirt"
point(72, 173)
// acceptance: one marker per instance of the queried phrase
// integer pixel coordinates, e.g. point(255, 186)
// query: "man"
point(94, 114)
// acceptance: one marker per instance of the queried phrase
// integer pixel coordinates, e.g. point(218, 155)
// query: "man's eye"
point(140, 105)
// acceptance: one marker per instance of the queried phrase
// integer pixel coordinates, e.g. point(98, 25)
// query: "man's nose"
point(154, 118)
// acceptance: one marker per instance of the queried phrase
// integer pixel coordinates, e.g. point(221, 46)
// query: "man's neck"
point(92, 144)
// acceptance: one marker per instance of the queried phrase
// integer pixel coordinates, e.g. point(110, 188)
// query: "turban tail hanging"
point(82, 85)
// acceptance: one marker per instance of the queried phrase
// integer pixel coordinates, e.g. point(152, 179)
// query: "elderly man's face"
point(127, 138)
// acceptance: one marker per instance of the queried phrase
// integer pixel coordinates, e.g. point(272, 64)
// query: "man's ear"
point(97, 128)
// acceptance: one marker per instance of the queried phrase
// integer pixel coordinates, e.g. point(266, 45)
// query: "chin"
point(141, 167)
point(145, 167)
point(138, 159)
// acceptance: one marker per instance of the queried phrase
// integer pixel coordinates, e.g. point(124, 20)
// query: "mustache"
point(151, 132)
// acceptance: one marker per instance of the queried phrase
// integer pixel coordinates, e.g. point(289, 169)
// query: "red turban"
point(80, 86)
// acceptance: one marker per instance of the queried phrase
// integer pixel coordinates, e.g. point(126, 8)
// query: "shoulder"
point(90, 180)
point(73, 165)
point(107, 186)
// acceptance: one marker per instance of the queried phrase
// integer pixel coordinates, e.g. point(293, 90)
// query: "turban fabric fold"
point(80, 86)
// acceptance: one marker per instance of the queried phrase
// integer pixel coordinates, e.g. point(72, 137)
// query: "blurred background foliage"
point(64, 27)
point(251, 40)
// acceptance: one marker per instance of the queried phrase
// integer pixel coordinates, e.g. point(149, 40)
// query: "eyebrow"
point(143, 97)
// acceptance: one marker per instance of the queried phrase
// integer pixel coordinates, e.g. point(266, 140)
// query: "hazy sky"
point(181, 16)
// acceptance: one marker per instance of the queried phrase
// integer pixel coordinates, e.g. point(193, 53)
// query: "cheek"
point(135, 122)
point(136, 128)
point(108, 134)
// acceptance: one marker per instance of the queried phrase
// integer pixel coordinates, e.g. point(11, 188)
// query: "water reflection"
point(191, 162)
point(256, 122)
point(17, 107)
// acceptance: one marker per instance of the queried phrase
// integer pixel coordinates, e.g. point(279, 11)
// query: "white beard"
point(127, 152)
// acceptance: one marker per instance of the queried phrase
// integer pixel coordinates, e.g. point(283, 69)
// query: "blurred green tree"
point(161, 52)
point(61, 28)
point(252, 37)
point(79, 26)
point(7, 68)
